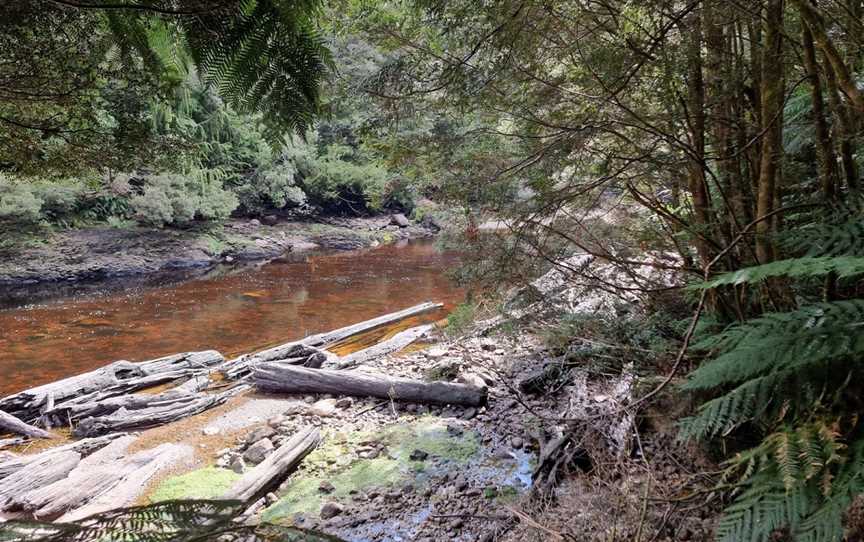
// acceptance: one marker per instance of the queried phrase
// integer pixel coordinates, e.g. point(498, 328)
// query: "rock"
point(469, 413)
point(270, 220)
point(210, 431)
point(259, 451)
point(238, 465)
point(368, 453)
point(326, 487)
point(324, 408)
point(488, 344)
point(270, 498)
point(472, 379)
point(517, 443)
point(345, 402)
point(254, 222)
point(418, 455)
point(331, 510)
point(260, 434)
point(400, 220)
point(436, 353)
point(276, 421)
point(309, 399)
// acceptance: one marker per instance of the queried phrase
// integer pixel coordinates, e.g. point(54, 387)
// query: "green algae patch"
point(337, 463)
point(206, 483)
point(431, 436)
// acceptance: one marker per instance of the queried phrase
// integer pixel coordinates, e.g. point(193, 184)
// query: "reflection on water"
point(234, 313)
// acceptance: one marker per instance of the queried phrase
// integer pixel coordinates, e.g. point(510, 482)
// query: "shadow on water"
point(233, 310)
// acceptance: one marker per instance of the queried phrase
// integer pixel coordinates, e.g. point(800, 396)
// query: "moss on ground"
point(336, 463)
point(206, 483)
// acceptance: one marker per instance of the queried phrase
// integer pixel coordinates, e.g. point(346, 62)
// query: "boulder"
point(324, 408)
point(400, 220)
point(270, 220)
point(260, 434)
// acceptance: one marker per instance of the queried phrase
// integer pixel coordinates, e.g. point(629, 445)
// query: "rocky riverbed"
point(100, 253)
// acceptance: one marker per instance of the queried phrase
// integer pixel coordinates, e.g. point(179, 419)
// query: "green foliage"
point(460, 320)
point(842, 266)
point(177, 200)
point(793, 379)
point(175, 521)
point(18, 203)
point(339, 183)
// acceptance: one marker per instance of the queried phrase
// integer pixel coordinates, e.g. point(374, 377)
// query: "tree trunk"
point(393, 344)
point(282, 378)
point(772, 94)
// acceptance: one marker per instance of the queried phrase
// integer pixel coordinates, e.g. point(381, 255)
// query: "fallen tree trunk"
point(273, 470)
point(134, 412)
point(393, 344)
point(241, 366)
point(11, 424)
point(107, 479)
point(114, 379)
point(83, 447)
point(278, 377)
point(46, 469)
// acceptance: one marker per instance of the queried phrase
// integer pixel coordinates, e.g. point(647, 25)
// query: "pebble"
point(260, 434)
point(210, 431)
point(238, 465)
point(326, 487)
point(259, 451)
point(418, 455)
point(517, 443)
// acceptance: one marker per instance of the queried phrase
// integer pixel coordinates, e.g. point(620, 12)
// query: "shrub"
point(272, 188)
point(177, 200)
point(60, 200)
point(18, 203)
point(461, 318)
point(344, 186)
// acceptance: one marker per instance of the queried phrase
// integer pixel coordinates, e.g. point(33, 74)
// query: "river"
point(234, 310)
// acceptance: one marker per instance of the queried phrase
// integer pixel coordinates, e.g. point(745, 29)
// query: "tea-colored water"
point(234, 313)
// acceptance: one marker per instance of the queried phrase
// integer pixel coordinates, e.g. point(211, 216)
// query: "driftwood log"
point(117, 378)
point(241, 366)
point(82, 447)
point(273, 470)
point(284, 378)
point(393, 344)
point(134, 412)
point(128, 481)
point(11, 424)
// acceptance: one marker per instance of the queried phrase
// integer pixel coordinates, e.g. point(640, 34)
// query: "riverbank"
point(99, 253)
point(561, 449)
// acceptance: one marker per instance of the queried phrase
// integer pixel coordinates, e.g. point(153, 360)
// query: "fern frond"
point(843, 267)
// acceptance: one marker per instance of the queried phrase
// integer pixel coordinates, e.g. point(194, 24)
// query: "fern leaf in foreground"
point(843, 267)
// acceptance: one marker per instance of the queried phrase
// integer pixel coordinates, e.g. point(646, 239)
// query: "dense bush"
point(272, 188)
point(18, 204)
point(340, 184)
point(176, 200)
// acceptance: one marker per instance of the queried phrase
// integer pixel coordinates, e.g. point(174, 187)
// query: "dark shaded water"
point(237, 312)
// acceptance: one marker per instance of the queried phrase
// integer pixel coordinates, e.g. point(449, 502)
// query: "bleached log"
point(278, 377)
point(9, 442)
point(120, 377)
point(239, 367)
point(295, 352)
point(46, 469)
point(84, 448)
point(134, 412)
point(11, 424)
point(273, 470)
point(393, 344)
point(93, 475)
point(335, 336)
point(129, 487)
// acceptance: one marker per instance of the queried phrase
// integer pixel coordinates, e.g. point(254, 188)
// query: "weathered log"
point(295, 353)
point(335, 336)
point(128, 488)
point(99, 470)
point(278, 377)
point(119, 377)
point(46, 469)
point(83, 447)
point(134, 412)
point(240, 367)
point(393, 344)
point(9, 442)
point(273, 470)
point(11, 424)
